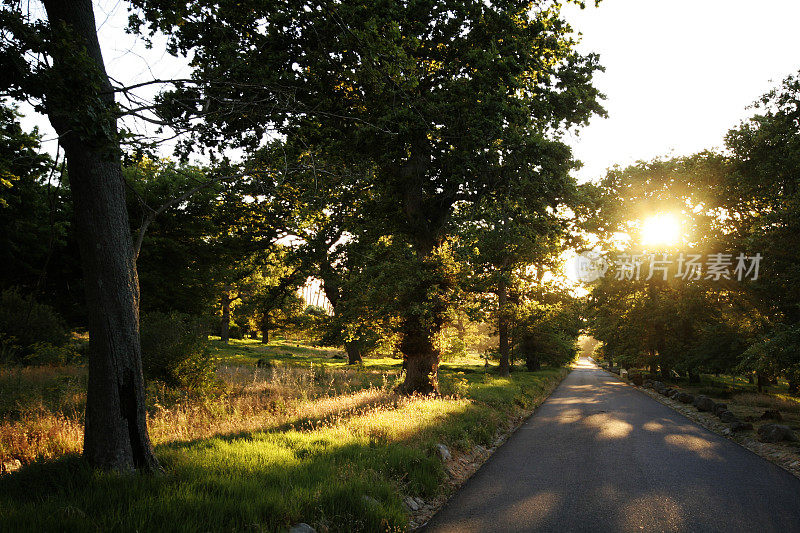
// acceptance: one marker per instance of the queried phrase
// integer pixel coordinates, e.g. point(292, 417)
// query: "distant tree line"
point(743, 199)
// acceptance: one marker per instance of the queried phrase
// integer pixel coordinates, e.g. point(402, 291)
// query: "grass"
point(308, 439)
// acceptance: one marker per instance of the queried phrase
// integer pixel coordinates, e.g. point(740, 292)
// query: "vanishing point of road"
point(599, 455)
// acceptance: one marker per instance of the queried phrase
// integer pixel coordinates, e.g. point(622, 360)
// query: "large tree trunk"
point(265, 326)
point(421, 359)
point(419, 328)
point(353, 350)
point(225, 325)
point(425, 218)
point(502, 327)
point(115, 435)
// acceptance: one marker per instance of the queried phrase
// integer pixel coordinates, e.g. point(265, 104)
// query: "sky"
point(679, 73)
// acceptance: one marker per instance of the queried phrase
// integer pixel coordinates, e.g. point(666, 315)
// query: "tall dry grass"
point(41, 409)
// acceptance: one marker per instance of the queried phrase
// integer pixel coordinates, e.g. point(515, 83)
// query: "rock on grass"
point(776, 433)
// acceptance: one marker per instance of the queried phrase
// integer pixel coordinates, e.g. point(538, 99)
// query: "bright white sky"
point(679, 73)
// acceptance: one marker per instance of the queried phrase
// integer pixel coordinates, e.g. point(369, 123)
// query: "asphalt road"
point(599, 455)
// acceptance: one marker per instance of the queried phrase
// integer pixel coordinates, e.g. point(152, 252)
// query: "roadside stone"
point(772, 414)
point(684, 397)
point(738, 426)
point(775, 433)
point(704, 403)
point(671, 393)
point(444, 452)
point(637, 379)
point(302, 527)
point(728, 417)
point(720, 407)
point(411, 503)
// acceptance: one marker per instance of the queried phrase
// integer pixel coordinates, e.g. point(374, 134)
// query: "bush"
point(175, 351)
point(44, 353)
point(25, 323)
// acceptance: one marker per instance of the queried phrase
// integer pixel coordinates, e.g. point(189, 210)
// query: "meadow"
point(291, 434)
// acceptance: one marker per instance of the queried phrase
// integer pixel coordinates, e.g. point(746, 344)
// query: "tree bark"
point(225, 330)
point(353, 350)
point(265, 325)
point(502, 327)
point(421, 359)
point(425, 218)
point(115, 436)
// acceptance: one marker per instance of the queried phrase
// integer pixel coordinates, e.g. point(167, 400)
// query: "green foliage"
point(423, 109)
point(29, 221)
point(761, 191)
point(175, 350)
point(37, 253)
point(745, 200)
point(44, 353)
point(548, 334)
point(775, 354)
point(29, 329)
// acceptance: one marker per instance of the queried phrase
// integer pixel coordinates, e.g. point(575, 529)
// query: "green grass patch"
point(346, 471)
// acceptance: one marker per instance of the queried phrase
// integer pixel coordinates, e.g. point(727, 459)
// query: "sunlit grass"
point(327, 444)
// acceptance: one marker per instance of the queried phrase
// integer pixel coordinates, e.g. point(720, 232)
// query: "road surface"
point(599, 455)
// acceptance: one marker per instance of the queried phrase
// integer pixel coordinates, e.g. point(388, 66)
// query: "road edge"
point(774, 454)
point(470, 463)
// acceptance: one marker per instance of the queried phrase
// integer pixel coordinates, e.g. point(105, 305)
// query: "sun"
point(661, 230)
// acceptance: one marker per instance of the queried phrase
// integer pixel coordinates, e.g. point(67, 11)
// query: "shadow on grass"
point(347, 480)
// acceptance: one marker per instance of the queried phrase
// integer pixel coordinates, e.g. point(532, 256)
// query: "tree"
point(186, 245)
point(676, 323)
point(511, 240)
point(32, 224)
point(268, 292)
point(761, 196)
point(451, 100)
point(547, 329)
point(75, 92)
